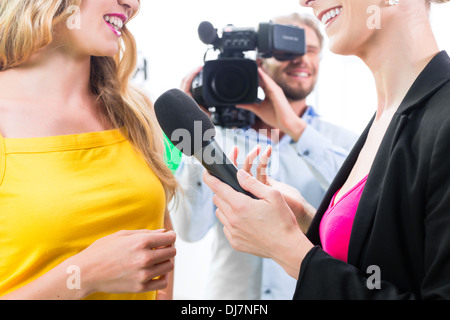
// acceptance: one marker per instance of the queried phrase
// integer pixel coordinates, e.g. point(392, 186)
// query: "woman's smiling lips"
point(330, 15)
point(115, 22)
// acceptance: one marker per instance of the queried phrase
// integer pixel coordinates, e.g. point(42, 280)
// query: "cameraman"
point(306, 154)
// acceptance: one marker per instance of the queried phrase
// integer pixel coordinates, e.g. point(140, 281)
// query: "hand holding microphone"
point(192, 132)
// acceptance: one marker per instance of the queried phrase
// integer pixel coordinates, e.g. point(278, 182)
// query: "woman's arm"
point(124, 262)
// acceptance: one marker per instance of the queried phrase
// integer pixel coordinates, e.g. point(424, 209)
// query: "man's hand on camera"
point(275, 109)
point(186, 85)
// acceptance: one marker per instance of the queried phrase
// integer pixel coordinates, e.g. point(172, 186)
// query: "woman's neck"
point(398, 55)
point(48, 96)
point(50, 74)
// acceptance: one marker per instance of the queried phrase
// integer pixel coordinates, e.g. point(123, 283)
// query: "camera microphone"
point(207, 33)
point(180, 117)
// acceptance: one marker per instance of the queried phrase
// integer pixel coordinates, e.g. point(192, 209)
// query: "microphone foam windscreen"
point(207, 33)
point(181, 119)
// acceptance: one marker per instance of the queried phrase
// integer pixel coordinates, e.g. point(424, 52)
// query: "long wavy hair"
point(27, 26)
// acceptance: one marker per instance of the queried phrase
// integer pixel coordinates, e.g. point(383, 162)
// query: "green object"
point(172, 156)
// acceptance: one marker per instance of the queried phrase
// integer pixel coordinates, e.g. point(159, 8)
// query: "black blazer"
point(401, 230)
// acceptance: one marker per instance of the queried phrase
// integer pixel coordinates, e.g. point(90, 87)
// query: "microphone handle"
point(217, 163)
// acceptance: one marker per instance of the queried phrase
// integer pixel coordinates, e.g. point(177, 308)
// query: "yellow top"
point(60, 194)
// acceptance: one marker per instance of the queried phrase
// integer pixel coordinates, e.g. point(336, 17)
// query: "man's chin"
point(297, 95)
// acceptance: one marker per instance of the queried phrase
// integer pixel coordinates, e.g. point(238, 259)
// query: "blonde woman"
point(382, 229)
point(83, 184)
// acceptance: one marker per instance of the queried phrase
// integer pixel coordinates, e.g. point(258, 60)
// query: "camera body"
point(232, 78)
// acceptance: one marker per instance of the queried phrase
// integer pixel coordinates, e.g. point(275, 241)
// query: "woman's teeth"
point(115, 22)
point(330, 15)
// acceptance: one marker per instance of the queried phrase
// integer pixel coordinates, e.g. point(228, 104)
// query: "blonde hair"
point(27, 26)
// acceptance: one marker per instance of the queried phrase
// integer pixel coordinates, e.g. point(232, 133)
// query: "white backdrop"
point(166, 33)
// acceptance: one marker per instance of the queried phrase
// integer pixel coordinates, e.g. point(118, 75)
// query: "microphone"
point(207, 33)
point(182, 119)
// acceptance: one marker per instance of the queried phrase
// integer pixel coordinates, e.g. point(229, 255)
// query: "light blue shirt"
point(309, 165)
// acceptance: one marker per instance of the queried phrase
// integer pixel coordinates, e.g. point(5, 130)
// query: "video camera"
point(233, 79)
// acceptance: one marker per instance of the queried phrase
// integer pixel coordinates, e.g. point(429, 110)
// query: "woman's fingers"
point(157, 240)
point(250, 159)
point(156, 256)
point(255, 187)
point(221, 189)
point(234, 154)
point(261, 170)
point(154, 284)
point(159, 270)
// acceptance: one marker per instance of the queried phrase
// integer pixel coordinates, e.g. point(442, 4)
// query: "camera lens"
point(231, 83)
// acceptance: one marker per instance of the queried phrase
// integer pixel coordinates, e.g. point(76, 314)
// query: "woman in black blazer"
point(399, 245)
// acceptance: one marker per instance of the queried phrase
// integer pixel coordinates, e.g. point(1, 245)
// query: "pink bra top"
point(336, 224)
